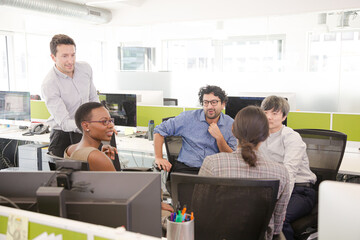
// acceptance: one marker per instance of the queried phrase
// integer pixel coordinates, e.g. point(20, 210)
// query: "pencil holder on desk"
point(180, 230)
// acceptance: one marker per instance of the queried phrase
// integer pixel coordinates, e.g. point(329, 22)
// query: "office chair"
point(173, 146)
point(226, 208)
point(325, 149)
point(116, 161)
point(55, 162)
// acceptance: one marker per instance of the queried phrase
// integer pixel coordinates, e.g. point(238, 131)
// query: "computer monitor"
point(122, 107)
point(112, 199)
point(15, 108)
point(235, 104)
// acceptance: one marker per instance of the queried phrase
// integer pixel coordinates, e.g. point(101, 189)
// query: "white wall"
point(160, 11)
point(327, 92)
point(314, 91)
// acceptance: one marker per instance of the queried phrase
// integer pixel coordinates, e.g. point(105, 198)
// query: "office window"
point(4, 73)
point(258, 54)
point(136, 58)
point(38, 59)
point(20, 80)
point(188, 55)
point(25, 60)
point(95, 57)
point(236, 54)
point(334, 52)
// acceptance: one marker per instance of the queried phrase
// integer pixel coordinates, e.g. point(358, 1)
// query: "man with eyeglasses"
point(67, 85)
point(204, 132)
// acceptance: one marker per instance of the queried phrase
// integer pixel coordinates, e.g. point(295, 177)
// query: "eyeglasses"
point(104, 122)
point(213, 102)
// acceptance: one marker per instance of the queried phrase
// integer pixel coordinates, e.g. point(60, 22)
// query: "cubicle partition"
point(343, 122)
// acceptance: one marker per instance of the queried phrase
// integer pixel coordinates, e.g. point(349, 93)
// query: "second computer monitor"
point(15, 108)
point(235, 104)
point(122, 107)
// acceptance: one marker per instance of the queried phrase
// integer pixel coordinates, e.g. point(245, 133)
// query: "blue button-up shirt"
point(197, 141)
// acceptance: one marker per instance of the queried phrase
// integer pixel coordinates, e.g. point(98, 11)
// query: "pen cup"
point(179, 230)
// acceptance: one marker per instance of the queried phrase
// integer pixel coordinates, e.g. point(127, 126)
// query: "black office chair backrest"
point(226, 208)
point(325, 149)
point(173, 146)
point(116, 161)
point(56, 162)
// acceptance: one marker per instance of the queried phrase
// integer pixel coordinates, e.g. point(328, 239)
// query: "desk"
point(133, 151)
point(17, 134)
point(351, 160)
point(123, 142)
point(133, 148)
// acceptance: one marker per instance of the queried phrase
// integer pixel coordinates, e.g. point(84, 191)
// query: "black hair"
point(217, 91)
point(276, 103)
point(83, 113)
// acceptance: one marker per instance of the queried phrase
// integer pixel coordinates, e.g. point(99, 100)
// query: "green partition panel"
point(298, 120)
point(348, 124)
point(3, 224)
point(39, 110)
point(146, 113)
point(35, 229)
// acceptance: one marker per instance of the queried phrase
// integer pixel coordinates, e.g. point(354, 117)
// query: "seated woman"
point(94, 120)
point(251, 128)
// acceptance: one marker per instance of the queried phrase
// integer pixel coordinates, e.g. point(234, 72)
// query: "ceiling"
point(112, 5)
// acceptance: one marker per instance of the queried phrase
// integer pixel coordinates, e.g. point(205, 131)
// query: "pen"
point(178, 218)
point(184, 210)
point(174, 217)
point(192, 216)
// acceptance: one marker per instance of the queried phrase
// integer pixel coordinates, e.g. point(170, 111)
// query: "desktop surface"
point(134, 144)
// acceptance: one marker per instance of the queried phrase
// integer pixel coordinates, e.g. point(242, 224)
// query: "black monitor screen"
point(14, 107)
point(235, 104)
point(122, 107)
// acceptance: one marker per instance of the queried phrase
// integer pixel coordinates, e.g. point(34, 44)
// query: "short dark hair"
point(276, 103)
point(217, 91)
point(83, 113)
point(60, 39)
point(250, 127)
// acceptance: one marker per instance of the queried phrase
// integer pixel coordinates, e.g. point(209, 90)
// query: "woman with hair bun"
point(251, 128)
